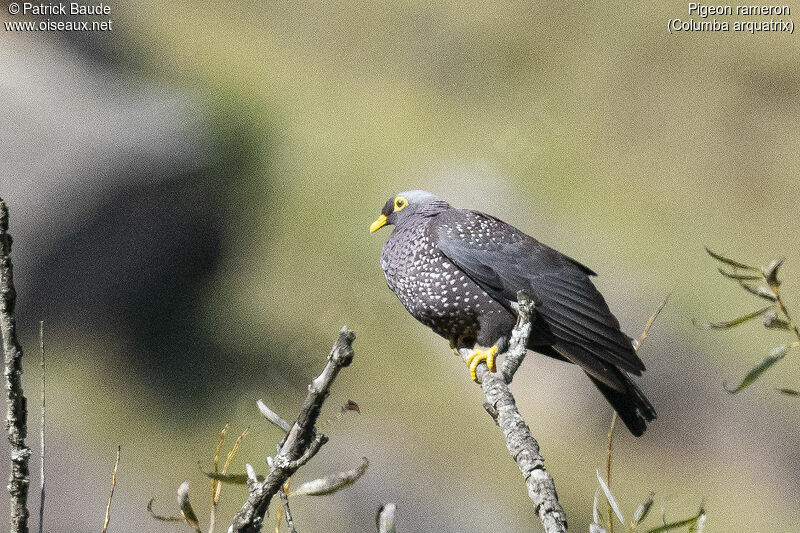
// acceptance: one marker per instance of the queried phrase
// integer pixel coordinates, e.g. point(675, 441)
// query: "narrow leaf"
point(159, 517)
point(731, 262)
point(596, 528)
point(217, 451)
point(273, 417)
point(698, 526)
point(595, 514)
point(233, 479)
point(771, 271)
point(772, 321)
point(610, 498)
point(332, 483)
point(643, 510)
point(760, 291)
point(680, 523)
point(735, 321)
point(774, 356)
point(186, 507)
point(789, 392)
point(740, 277)
point(385, 519)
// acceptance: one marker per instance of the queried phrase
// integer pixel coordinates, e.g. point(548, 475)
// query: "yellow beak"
point(378, 224)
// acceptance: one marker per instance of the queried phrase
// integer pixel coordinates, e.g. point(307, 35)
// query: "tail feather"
point(631, 404)
point(616, 385)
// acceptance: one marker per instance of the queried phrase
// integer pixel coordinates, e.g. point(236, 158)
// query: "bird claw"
point(481, 356)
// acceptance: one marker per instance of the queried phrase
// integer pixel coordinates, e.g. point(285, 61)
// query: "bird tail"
point(631, 404)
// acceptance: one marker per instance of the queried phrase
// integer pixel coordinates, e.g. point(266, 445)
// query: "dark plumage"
point(457, 271)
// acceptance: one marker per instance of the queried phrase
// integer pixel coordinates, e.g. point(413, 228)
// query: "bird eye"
point(400, 203)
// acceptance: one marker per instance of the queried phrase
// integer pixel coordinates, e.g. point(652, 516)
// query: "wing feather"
point(503, 260)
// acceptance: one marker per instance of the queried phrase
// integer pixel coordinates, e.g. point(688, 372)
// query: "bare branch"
point(610, 442)
point(41, 431)
point(524, 449)
point(637, 343)
point(216, 485)
point(301, 438)
point(310, 452)
point(111, 494)
point(517, 348)
point(17, 413)
point(286, 509)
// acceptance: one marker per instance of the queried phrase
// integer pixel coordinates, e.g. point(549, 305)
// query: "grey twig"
point(301, 437)
point(41, 432)
point(524, 449)
point(385, 518)
point(519, 337)
point(17, 413)
point(310, 452)
point(287, 510)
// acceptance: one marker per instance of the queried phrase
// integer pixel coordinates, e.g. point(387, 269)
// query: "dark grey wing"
point(503, 260)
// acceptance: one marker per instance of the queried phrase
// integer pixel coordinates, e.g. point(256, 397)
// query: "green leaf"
point(643, 510)
point(774, 356)
point(698, 526)
point(789, 392)
point(731, 262)
point(610, 498)
point(693, 521)
point(159, 517)
point(771, 271)
point(735, 321)
point(772, 321)
point(187, 511)
point(233, 479)
point(740, 277)
point(760, 291)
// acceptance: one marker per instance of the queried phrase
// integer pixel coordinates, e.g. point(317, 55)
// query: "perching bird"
point(457, 271)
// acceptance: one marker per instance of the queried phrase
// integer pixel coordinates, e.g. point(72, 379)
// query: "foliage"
point(767, 288)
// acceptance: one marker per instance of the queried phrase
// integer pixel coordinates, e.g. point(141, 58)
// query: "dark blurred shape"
point(119, 188)
point(134, 269)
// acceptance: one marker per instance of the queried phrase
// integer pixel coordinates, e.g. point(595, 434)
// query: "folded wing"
point(503, 260)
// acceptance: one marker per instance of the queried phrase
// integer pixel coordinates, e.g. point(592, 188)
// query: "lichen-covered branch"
point(300, 444)
point(17, 413)
point(42, 443)
point(521, 445)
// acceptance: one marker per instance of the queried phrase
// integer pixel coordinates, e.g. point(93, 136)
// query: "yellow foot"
point(479, 356)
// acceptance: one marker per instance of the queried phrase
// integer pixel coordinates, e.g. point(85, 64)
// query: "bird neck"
point(432, 209)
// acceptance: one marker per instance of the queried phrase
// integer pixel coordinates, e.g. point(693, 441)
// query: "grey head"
point(400, 207)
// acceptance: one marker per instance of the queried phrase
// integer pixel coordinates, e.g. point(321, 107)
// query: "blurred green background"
point(190, 196)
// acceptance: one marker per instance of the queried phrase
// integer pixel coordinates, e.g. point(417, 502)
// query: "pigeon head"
point(401, 206)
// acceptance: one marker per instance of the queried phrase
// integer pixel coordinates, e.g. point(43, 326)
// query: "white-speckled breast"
point(433, 289)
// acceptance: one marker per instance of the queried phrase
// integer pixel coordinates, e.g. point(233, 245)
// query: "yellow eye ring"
point(400, 203)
